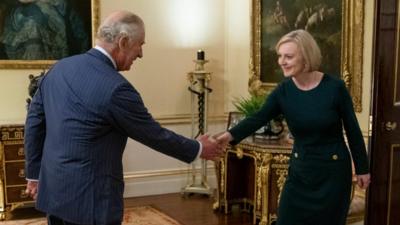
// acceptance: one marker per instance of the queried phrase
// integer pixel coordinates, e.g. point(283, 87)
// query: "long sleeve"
point(35, 133)
point(131, 116)
point(249, 125)
point(353, 131)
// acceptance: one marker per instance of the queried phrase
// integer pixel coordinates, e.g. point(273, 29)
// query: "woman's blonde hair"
point(308, 47)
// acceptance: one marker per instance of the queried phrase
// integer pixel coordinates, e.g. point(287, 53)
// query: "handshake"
point(214, 146)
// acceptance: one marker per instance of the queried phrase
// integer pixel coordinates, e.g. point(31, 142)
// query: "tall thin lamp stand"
point(199, 79)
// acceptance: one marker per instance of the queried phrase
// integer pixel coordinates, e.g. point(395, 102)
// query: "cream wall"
point(161, 76)
point(363, 117)
point(13, 94)
point(175, 29)
point(237, 52)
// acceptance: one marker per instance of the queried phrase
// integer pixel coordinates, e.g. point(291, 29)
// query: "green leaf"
point(249, 106)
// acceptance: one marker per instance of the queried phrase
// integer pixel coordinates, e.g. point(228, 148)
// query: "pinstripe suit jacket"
point(75, 134)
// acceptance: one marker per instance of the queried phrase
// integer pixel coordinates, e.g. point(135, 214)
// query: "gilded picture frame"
point(351, 46)
point(72, 24)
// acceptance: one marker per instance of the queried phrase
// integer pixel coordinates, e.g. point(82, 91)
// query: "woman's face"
point(290, 59)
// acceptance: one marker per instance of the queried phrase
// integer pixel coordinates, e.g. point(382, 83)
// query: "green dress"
point(318, 187)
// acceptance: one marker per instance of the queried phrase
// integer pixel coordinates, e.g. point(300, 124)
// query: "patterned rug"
point(141, 215)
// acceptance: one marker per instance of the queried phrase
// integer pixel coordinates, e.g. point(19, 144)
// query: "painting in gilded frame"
point(37, 33)
point(337, 26)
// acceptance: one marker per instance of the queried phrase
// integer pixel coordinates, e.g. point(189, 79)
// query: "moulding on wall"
point(167, 172)
point(157, 182)
point(187, 118)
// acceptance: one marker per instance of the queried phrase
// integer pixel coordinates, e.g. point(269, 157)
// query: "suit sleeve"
point(131, 117)
point(353, 131)
point(35, 133)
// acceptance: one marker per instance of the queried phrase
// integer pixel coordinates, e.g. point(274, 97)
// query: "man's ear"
point(123, 42)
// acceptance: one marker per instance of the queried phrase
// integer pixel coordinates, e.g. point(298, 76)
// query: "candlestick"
point(200, 55)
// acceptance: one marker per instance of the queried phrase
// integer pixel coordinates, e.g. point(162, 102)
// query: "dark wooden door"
point(383, 204)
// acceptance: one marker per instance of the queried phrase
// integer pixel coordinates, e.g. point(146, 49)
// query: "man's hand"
point(212, 149)
point(363, 180)
point(32, 188)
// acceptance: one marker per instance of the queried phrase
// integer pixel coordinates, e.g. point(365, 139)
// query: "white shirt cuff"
point(200, 151)
point(28, 179)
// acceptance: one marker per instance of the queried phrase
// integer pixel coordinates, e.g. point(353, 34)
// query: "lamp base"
point(202, 188)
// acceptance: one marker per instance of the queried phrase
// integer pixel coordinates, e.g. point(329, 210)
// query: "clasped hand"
point(214, 146)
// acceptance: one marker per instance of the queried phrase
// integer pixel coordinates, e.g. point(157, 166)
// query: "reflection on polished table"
point(252, 175)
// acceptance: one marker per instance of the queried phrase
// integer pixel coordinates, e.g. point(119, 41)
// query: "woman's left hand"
point(363, 180)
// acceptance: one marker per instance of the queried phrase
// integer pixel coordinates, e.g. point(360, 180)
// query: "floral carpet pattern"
point(141, 215)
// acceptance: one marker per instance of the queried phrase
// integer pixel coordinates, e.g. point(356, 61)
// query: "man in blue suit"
point(78, 124)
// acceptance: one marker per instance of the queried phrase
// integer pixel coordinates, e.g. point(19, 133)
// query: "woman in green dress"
point(316, 106)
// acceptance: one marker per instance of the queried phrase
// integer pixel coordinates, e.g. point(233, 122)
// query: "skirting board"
point(162, 182)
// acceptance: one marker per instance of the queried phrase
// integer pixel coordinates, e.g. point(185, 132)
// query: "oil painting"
point(39, 32)
point(336, 25)
point(322, 18)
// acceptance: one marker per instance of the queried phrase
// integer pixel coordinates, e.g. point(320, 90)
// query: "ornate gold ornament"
point(282, 173)
point(239, 153)
point(281, 159)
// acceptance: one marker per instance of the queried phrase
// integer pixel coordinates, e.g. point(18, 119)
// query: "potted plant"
point(250, 105)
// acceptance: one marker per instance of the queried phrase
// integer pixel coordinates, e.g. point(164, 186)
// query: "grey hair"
point(129, 25)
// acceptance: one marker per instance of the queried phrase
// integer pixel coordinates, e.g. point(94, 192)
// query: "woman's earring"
point(305, 67)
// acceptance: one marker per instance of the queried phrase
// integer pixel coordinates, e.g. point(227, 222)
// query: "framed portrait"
point(234, 118)
point(336, 25)
point(34, 34)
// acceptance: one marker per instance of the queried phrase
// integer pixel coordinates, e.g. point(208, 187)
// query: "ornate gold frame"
point(44, 64)
point(351, 54)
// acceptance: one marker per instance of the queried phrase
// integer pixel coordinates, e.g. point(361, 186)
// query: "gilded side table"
point(252, 175)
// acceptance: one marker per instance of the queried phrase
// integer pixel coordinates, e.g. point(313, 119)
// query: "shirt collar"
point(102, 50)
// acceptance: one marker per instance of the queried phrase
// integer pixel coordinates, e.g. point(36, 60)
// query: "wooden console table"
point(12, 169)
point(252, 174)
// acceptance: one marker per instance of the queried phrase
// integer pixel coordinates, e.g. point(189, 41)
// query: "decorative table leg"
point(2, 215)
point(264, 172)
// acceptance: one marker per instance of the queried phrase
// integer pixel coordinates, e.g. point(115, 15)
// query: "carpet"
point(141, 215)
